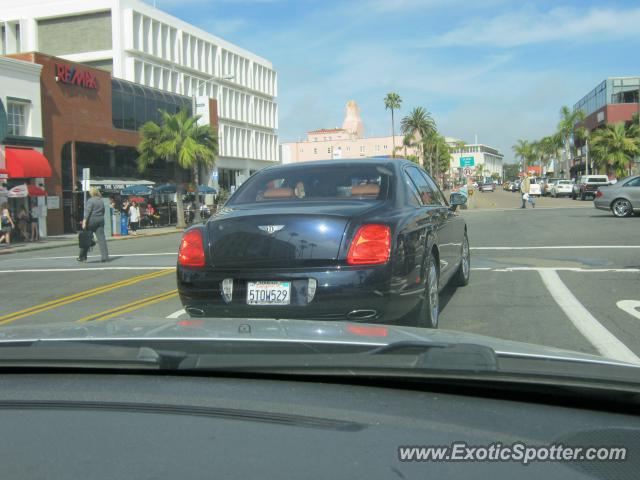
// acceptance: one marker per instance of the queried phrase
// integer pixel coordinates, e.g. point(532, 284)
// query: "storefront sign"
point(72, 75)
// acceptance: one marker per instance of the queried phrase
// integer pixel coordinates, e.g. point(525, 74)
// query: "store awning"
point(26, 163)
point(23, 191)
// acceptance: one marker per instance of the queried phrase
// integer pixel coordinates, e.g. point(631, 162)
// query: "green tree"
point(613, 149)
point(524, 150)
point(510, 171)
point(181, 141)
point(392, 102)
point(566, 127)
point(420, 125)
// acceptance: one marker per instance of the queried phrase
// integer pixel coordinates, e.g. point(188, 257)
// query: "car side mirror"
point(456, 200)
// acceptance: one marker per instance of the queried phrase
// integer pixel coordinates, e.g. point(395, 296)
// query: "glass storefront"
point(133, 105)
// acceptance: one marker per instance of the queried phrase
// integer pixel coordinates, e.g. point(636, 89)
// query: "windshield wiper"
point(407, 356)
point(84, 354)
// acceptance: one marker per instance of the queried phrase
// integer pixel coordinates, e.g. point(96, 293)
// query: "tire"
point(428, 311)
point(461, 278)
point(621, 207)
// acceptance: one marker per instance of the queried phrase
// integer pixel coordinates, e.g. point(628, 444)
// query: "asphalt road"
point(562, 274)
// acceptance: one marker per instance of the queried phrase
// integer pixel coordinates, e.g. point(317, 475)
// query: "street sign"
point(467, 172)
point(467, 161)
point(86, 179)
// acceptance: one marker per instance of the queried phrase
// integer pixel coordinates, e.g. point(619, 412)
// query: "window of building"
point(315, 151)
point(16, 117)
point(377, 148)
point(362, 148)
point(348, 149)
point(329, 150)
point(385, 147)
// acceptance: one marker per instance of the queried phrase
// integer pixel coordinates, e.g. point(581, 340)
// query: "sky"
point(497, 69)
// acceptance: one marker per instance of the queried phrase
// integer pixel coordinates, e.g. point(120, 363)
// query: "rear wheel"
point(621, 207)
point(428, 311)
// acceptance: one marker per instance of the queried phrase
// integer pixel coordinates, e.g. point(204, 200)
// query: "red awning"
point(35, 191)
point(26, 163)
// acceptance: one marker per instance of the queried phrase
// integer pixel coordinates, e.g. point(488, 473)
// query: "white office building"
point(142, 44)
point(475, 160)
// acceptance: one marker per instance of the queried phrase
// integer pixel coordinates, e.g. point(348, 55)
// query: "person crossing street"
point(94, 221)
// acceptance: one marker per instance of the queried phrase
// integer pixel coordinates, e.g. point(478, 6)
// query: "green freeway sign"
point(467, 162)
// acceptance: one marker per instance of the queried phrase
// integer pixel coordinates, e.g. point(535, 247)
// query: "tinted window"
point(438, 196)
point(427, 194)
point(633, 183)
point(330, 182)
point(597, 180)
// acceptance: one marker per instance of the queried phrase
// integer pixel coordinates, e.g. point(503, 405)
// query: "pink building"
point(346, 142)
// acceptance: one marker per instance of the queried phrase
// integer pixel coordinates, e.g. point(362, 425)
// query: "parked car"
point(587, 186)
point(487, 187)
point(333, 240)
point(623, 198)
point(561, 188)
point(548, 183)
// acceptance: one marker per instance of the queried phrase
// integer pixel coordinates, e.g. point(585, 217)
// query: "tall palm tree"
point(566, 127)
point(392, 102)
point(419, 124)
point(524, 151)
point(181, 141)
point(614, 149)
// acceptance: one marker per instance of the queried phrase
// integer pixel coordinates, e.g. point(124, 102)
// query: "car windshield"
point(344, 182)
point(322, 173)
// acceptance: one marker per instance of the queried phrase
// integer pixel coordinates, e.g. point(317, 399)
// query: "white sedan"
point(561, 188)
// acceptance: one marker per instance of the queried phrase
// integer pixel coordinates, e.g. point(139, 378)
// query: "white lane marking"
point(503, 209)
point(602, 339)
point(86, 269)
point(177, 314)
point(560, 247)
point(559, 269)
point(630, 307)
point(115, 255)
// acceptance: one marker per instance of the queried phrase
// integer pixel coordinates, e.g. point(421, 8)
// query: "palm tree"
point(613, 149)
point(419, 124)
point(181, 141)
point(566, 126)
point(392, 102)
point(524, 151)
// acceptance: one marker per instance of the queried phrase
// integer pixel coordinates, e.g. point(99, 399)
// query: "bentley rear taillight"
point(370, 246)
point(191, 252)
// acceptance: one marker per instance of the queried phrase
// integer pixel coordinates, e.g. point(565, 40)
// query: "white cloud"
point(224, 27)
point(528, 26)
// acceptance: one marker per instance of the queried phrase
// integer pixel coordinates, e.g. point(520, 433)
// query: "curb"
point(71, 243)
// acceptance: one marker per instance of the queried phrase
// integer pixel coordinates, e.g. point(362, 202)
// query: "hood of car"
point(265, 330)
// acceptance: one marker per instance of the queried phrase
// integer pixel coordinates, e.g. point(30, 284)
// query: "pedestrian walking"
point(23, 223)
point(35, 232)
point(134, 217)
point(525, 186)
point(94, 222)
point(6, 225)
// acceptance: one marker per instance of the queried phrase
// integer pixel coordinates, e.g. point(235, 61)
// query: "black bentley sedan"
point(370, 240)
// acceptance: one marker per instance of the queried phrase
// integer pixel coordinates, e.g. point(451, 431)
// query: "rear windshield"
point(597, 180)
point(316, 183)
point(564, 182)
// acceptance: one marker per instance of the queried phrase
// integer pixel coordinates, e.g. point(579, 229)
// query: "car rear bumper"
point(349, 293)
point(602, 204)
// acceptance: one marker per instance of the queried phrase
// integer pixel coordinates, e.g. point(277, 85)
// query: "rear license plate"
point(268, 293)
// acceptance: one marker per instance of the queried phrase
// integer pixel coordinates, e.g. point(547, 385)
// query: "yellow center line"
point(129, 307)
point(80, 296)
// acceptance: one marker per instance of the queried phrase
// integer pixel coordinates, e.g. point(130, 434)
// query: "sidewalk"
point(71, 239)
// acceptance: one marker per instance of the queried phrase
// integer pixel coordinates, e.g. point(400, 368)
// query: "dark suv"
point(587, 186)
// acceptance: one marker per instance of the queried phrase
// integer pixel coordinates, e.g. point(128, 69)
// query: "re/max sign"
point(72, 75)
